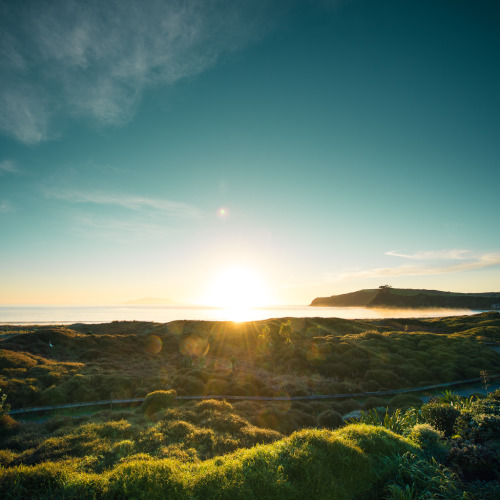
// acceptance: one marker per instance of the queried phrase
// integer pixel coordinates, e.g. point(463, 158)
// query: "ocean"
point(65, 315)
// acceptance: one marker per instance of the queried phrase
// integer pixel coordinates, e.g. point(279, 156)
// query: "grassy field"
point(249, 449)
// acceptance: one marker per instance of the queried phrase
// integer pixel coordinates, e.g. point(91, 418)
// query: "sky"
point(182, 150)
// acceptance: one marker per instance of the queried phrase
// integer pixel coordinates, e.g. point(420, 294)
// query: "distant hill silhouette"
point(408, 298)
point(150, 301)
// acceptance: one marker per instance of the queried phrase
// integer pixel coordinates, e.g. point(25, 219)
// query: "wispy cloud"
point(130, 202)
point(5, 206)
point(8, 167)
point(95, 59)
point(467, 261)
point(115, 229)
point(455, 254)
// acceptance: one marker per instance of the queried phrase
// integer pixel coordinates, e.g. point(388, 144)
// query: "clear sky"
point(149, 148)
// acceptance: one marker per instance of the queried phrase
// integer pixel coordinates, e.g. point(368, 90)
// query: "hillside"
point(249, 449)
point(294, 356)
point(361, 298)
point(168, 447)
point(402, 298)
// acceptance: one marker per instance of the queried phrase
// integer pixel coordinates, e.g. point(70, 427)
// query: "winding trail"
point(477, 386)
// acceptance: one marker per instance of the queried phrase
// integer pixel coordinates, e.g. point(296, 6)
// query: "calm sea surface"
point(164, 314)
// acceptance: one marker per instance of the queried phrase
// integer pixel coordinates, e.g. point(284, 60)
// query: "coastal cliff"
point(403, 298)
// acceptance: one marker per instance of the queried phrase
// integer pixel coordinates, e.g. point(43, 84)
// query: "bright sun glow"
point(238, 289)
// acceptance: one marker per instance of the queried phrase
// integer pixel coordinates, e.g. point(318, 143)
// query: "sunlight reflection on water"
point(164, 314)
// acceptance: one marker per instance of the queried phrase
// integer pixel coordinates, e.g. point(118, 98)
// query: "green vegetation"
point(295, 357)
point(209, 450)
point(386, 296)
point(450, 446)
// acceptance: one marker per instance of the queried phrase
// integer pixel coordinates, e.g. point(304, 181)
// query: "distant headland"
point(408, 298)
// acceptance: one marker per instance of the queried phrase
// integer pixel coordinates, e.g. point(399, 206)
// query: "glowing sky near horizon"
point(148, 148)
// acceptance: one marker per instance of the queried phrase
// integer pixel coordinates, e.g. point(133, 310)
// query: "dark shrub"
point(440, 416)
point(299, 391)
point(8, 425)
point(331, 419)
point(371, 386)
point(405, 401)
point(191, 385)
point(348, 405)
point(303, 419)
point(269, 418)
point(216, 386)
point(474, 461)
point(478, 428)
point(374, 402)
point(386, 378)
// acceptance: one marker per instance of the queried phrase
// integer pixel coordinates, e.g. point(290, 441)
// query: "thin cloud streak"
point(455, 254)
point(131, 202)
point(5, 206)
point(116, 230)
point(8, 167)
point(479, 262)
point(95, 59)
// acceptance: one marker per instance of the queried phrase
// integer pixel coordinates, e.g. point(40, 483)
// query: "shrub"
point(374, 402)
point(213, 405)
point(331, 419)
point(385, 378)
point(479, 428)
point(158, 400)
point(429, 439)
point(427, 479)
point(303, 419)
point(440, 416)
point(348, 405)
point(8, 425)
point(4, 406)
point(216, 386)
point(473, 461)
point(222, 421)
point(371, 385)
point(397, 421)
point(405, 401)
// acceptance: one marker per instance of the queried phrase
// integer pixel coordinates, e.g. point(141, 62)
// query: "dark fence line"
point(260, 398)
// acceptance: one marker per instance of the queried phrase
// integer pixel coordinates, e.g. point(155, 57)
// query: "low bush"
point(213, 405)
point(440, 416)
point(418, 478)
point(158, 400)
point(330, 419)
point(405, 401)
point(429, 439)
point(474, 462)
point(374, 402)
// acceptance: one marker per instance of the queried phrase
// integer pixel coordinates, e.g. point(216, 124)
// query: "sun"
point(238, 288)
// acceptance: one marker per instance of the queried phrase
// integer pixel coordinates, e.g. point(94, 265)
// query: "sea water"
point(52, 315)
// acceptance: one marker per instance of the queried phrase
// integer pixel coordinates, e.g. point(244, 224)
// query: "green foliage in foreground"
point(342, 464)
point(209, 450)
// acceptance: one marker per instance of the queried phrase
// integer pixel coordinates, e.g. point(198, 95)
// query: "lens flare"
point(154, 344)
point(194, 346)
point(222, 212)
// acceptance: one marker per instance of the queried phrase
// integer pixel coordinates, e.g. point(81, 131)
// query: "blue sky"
point(350, 143)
